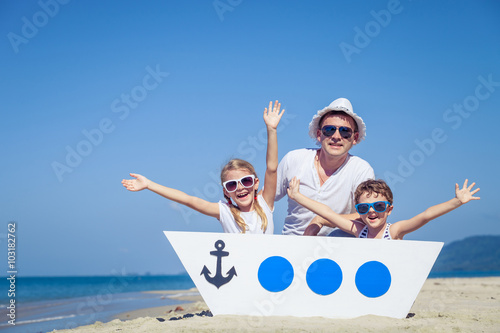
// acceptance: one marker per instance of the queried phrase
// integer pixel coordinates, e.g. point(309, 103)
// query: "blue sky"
point(173, 89)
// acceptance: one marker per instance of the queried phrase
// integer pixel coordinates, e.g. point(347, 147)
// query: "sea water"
point(464, 274)
point(43, 304)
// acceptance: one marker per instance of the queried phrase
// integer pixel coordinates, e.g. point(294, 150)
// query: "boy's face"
point(374, 219)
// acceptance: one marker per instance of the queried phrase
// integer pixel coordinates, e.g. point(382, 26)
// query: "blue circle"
point(324, 276)
point(373, 279)
point(275, 274)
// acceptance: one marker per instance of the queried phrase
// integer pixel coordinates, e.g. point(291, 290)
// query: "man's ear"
point(355, 138)
point(318, 135)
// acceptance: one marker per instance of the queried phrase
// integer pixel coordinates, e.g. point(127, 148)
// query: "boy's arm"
point(272, 117)
point(318, 222)
point(140, 183)
point(462, 196)
point(323, 210)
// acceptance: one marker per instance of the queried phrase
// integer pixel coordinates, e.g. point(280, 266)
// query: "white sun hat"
point(340, 104)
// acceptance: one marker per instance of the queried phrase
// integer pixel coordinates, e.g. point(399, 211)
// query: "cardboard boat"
point(276, 275)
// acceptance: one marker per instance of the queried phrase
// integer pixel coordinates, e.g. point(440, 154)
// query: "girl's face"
point(243, 197)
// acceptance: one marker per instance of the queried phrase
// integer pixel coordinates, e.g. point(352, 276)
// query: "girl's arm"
point(323, 210)
point(140, 183)
point(462, 196)
point(272, 118)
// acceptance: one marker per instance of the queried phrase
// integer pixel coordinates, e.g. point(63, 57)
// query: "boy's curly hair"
point(373, 186)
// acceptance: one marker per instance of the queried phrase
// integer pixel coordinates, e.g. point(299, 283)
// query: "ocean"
point(43, 304)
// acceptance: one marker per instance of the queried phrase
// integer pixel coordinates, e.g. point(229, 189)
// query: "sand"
point(443, 305)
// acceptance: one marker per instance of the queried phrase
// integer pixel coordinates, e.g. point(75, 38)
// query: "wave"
point(38, 320)
point(184, 294)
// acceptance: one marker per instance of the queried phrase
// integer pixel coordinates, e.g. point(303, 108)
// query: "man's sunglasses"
point(329, 130)
point(379, 206)
point(232, 185)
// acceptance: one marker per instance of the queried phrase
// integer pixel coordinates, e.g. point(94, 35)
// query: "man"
point(329, 174)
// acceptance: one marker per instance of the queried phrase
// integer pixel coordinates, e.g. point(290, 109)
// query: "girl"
point(245, 210)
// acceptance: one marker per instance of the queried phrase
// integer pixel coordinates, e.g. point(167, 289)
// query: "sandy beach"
point(443, 305)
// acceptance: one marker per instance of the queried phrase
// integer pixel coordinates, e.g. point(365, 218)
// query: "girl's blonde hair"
point(237, 164)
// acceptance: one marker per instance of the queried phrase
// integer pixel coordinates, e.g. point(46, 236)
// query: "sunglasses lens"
point(363, 208)
point(247, 181)
point(328, 130)
point(231, 186)
point(345, 132)
point(379, 206)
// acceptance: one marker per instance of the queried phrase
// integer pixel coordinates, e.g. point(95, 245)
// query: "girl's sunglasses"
point(329, 130)
point(379, 206)
point(232, 185)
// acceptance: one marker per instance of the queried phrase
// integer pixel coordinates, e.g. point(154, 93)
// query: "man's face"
point(335, 145)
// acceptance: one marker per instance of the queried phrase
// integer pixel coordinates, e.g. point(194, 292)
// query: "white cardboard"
point(409, 263)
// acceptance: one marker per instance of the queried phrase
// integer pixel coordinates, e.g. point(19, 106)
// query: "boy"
point(374, 204)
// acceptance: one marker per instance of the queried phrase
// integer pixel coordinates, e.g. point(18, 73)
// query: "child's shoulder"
point(358, 228)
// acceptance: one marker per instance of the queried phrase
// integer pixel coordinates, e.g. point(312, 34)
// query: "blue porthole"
point(324, 276)
point(373, 279)
point(275, 274)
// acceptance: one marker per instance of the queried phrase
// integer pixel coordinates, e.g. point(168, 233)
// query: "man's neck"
point(330, 164)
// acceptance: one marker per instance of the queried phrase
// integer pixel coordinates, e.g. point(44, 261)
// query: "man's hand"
point(312, 229)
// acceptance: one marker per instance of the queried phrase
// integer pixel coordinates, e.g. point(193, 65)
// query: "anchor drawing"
point(218, 279)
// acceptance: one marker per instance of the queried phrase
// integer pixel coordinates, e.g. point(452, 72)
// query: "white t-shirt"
point(337, 192)
point(252, 219)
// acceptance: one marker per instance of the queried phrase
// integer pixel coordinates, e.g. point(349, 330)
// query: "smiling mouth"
point(242, 195)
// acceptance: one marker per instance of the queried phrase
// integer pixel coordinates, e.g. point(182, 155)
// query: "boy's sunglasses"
point(329, 130)
point(232, 185)
point(379, 206)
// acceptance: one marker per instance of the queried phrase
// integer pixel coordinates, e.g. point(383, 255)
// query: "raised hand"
point(465, 194)
point(293, 188)
point(139, 183)
point(272, 116)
